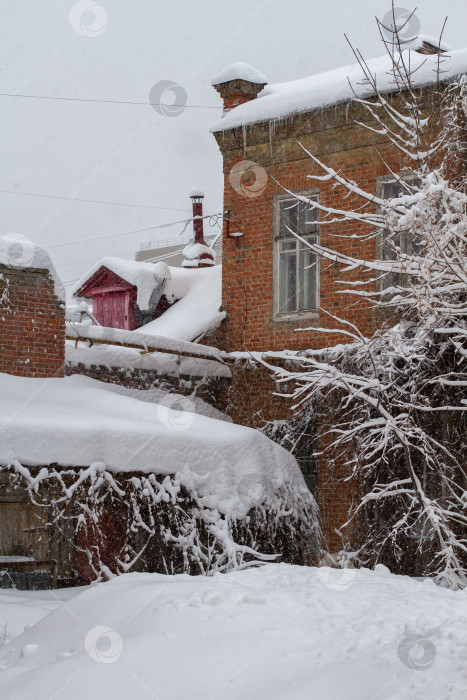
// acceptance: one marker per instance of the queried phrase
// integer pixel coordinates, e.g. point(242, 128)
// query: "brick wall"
point(248, 276)
point(254, 398)
point(218, 337)
point(32, 324)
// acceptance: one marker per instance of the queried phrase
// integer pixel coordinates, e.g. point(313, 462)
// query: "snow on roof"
point(332, 87)
point(19, 252)
point(421, 39)
point(207, 362)
point(240, 71)
point(198, 310)
point(78, 421)
point(170, 365)
point(145, 340)
point(139, 274)
point(197, 293)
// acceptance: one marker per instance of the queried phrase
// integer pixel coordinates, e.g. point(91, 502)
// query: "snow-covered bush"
point(164, 525)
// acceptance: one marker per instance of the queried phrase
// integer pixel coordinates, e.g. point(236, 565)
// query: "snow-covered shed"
point(181, 303)
point(128, 294)
point(125, 480)
point(125, 294)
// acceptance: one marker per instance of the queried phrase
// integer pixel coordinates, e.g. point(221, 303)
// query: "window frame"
point(381, 181)
point(279, 316)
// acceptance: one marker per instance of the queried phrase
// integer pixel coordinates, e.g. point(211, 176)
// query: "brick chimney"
point(238, 83)
point(198, 254)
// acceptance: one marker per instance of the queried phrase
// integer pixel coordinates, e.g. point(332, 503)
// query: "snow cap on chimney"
point(196, 192)
point(238, 83)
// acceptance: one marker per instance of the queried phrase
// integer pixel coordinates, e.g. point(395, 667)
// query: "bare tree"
point(394, 405)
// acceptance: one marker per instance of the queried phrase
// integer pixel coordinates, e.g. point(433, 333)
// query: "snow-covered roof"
point(78, 421)
point(421, 39)
point(19, 252)
point(332, 87)
point(240, 71)
point(176, 357)
point(139, 274)
point(197, 293)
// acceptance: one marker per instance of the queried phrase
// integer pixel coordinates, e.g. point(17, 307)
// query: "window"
point(390, 189)
point(297, 265)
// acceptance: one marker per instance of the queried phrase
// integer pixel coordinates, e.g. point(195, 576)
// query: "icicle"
point(244, 139)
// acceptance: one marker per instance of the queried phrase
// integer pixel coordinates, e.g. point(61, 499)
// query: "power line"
point(125, 233)
point(112, 102)
point(111, 235)
point(68, 282)
point(81, 262)
point(92, 201)
point(171, 243)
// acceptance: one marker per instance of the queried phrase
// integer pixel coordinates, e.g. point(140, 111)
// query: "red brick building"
point(274, 288)
point(272, 284)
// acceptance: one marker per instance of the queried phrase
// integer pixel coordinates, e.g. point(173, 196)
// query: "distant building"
point(171, 250)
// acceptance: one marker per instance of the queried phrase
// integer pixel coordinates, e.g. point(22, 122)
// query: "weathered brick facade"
point(32, 324)
point(250, 274)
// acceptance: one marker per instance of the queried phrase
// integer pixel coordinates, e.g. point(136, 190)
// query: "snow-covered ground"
point(278, 633)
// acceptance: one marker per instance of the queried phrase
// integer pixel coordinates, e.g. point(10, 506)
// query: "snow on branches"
point(164, 524)
point(393, 407)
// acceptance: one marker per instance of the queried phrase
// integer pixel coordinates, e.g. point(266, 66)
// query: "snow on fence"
point(146, 343)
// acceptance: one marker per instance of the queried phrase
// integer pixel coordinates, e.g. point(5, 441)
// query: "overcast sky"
point(130, 153)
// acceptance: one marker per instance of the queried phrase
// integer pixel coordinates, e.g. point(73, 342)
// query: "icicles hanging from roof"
point(244, 139)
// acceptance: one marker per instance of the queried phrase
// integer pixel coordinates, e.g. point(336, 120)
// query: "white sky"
point(129, 153)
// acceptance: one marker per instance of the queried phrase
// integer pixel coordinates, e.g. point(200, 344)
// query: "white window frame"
point(299, 314)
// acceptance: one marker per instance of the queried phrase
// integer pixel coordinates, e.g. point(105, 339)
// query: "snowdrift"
point(274, 633)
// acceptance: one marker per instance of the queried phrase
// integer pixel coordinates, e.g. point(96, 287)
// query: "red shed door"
point(113, 310)
point(113, 299)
